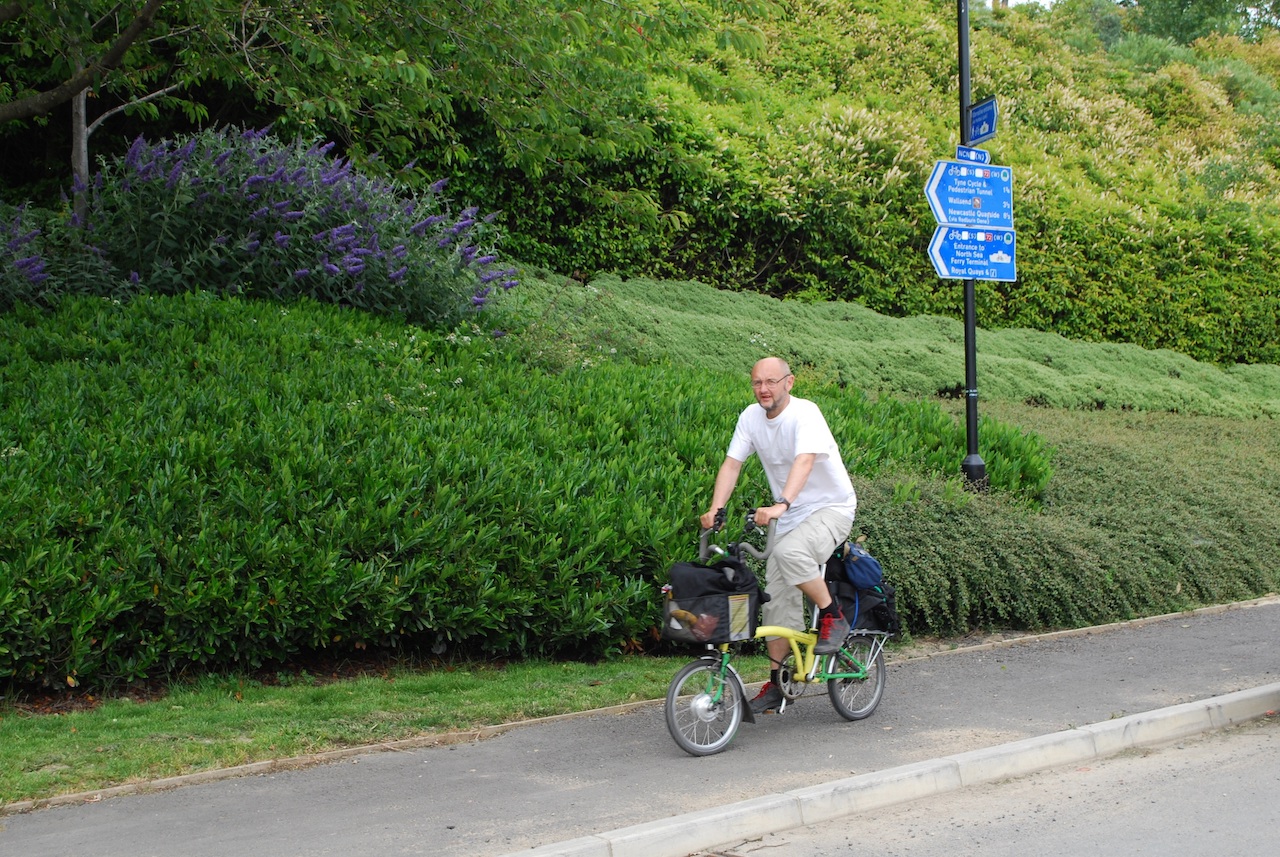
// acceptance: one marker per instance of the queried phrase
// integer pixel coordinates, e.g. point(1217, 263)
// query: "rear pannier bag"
point(874, 609)
point(718, 603)
point(861, 568)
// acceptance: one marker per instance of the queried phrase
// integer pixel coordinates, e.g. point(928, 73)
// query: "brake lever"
point(722, 514)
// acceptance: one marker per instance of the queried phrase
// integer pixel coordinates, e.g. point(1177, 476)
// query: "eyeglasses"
point(771, 383)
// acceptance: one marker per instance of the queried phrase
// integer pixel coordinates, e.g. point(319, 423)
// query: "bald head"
point(770, 367)
point(771, 380)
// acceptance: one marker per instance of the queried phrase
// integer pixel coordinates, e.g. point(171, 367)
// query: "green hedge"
point(194, 481)
point(690, 323)
point(1142, 518)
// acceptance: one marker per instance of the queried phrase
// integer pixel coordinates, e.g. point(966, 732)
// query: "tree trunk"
point(79, 156)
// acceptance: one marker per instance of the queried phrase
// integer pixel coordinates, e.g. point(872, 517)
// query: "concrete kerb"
point(685, 834)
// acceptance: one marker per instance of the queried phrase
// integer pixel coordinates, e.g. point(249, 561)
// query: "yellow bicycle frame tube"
point(802, 643)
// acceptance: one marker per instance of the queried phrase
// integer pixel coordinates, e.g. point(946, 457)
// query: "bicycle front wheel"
point(704, 708)
point(860, 665)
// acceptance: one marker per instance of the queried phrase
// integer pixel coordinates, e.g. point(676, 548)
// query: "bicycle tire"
point(704, 708)
point(857, 698)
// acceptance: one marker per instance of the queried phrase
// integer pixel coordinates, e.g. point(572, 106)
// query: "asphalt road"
point(576, 777)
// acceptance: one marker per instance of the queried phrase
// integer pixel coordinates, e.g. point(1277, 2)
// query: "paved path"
point(575, 778)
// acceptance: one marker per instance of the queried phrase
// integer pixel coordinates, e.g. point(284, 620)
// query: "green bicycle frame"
point(802, 645)
point(727, 673)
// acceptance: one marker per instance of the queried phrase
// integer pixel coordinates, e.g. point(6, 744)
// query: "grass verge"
point(215, 722)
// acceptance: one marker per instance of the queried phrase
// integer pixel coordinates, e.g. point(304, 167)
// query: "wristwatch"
point(784, 501)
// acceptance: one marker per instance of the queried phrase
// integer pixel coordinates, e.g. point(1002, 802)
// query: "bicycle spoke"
point(703, 708)
point(857, 674)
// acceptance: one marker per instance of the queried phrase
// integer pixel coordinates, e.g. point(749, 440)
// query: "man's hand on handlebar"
point(765, 514)
point(765, 518)
point(714, 519)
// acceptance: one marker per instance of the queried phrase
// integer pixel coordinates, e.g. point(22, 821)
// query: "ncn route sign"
point(963, 194)
point(970, 155)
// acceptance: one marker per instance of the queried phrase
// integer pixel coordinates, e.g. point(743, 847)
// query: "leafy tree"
point(1261, 18)
point(62, 33)
point(85, 43)
point(556, 80)
point(1087, 24)
point(1184, 21)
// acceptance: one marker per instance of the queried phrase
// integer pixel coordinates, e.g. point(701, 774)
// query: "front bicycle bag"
point(717, 603)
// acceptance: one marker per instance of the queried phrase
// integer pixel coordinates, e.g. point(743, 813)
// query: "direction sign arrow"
point(961, 253)
point(967, 195)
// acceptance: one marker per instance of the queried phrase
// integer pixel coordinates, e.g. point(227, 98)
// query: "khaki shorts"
point(799, 556)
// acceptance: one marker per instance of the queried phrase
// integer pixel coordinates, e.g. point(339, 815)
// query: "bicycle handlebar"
point(705, 549)
point(759, 553)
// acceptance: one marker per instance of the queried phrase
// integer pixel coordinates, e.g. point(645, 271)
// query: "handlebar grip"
point(768, 543)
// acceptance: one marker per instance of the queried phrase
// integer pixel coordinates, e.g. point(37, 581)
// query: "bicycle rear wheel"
point(862, 658)
point(704, 707)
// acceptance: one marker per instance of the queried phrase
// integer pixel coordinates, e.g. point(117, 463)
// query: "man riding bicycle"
point(814, 504)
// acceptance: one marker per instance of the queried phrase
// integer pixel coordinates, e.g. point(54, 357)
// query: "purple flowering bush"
point(244, 213)
point(42, 257)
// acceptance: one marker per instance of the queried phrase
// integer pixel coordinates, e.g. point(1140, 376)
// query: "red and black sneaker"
point(832, 629)
point(768, 699)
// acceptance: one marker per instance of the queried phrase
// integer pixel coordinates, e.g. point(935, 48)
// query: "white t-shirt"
point(799, 429)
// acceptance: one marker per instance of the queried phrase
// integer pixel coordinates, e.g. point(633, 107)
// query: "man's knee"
point(791, 555)
point(799, 564)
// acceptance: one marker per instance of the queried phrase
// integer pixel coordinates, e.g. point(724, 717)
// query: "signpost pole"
point(973, 467)
point(962, 33)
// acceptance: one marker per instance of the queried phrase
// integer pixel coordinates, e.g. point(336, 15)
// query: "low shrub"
point(1115, 537)
point(191, 481)
point(42, 259)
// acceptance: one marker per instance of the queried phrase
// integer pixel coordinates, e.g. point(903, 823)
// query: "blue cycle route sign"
point(982, 121)
point(963, 194)
point(965, 253)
